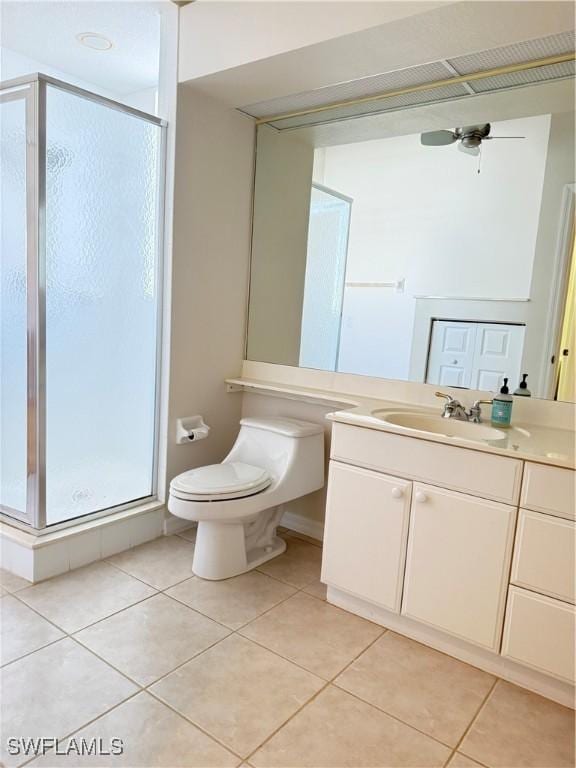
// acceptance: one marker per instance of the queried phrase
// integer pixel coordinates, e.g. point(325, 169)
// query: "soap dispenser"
point(502, 407)
point(523, 390)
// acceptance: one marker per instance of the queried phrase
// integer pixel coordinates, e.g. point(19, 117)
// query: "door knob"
point(397, 493)
point(421, 497)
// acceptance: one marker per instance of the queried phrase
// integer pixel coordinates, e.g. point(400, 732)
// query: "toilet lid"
point(233, 479)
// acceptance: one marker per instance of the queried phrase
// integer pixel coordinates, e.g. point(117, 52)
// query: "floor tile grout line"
point(473, 720)
point(192, 722)
point(285, 658)
point(393, 717)
point(286, 722)
point(104, 661)
point(159, 679)
point(153, 586)
point(315, 696)
point(183, 664)
point(283, 581)
point(396, 717)
point(108, 616)
point(195, 610)
point(23, 602)
point(6, 664)
point(226, 626)
point(70, 734)
point(379, 709)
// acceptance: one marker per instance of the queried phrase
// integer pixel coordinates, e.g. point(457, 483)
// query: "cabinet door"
point(458, 561)
point(365, 535)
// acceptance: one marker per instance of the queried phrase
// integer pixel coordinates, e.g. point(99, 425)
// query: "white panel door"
point(475, 355)
point(366, 533)
point(451, 353)
point(497, 354)
point(458, 561)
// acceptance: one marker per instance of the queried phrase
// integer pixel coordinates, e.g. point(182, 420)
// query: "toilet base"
point(221, 550)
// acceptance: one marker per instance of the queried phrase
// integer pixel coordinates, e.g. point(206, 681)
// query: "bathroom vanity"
point(378, 289)
point(466, 550)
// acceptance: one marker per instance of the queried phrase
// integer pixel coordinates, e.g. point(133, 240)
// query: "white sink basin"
point(436, 425)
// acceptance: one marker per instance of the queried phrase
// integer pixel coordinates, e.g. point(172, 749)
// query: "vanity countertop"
point(530, 442)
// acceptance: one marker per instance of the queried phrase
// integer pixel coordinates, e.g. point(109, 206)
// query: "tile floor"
point(257, 671)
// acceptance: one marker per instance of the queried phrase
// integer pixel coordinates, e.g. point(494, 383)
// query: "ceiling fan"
point(469, 138)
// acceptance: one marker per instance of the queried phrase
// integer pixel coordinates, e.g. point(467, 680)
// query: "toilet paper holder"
point(190, 429)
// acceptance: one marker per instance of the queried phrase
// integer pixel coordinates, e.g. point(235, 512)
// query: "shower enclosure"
point(80, 262)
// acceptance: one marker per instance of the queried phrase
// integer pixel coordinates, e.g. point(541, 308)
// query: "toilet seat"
point(220, 482)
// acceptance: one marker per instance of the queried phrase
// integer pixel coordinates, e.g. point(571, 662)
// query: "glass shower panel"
point(13, 311)
point(102, 200)
point(324, 282)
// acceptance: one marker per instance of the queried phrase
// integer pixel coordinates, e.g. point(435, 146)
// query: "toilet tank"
point(291, 450)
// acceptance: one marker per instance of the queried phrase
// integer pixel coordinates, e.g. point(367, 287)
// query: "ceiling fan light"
point(471, 141)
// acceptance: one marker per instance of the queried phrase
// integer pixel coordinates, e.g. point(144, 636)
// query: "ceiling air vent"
point(368, 95)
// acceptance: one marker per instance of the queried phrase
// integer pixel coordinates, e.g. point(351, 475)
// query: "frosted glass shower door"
point(13, 305)
point(102, 292)
point(324, 282)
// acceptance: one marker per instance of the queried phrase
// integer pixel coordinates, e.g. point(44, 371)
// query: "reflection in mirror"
point(443, 258)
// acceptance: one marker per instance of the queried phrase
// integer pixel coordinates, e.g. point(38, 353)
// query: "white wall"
point(249, 31)
point(211, 252)
point(424, 215)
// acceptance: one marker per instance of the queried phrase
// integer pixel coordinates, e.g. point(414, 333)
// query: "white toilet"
point(237, 503)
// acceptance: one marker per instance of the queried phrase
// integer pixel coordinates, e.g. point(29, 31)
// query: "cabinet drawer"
point(549, 489)
point(544, 555)
point(539, 632)
point(460, 469)
point(365, 536)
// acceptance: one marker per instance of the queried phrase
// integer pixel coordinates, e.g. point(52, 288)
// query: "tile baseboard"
point(35, 559)
point(301, 524)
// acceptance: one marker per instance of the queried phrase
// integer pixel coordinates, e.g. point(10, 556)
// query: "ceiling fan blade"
point(487, 138)
point(437, 138)
point(469, 150)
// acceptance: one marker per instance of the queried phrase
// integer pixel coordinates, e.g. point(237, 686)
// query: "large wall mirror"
point(424, 244)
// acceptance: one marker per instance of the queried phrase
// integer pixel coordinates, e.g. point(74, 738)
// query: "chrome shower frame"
point(32, 88)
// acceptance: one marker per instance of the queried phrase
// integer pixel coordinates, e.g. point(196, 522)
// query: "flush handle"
point(421, 497)
point(397, 493)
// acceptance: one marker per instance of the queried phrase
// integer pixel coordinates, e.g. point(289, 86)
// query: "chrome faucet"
point(453, 409)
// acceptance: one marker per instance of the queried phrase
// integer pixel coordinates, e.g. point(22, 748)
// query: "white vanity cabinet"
point(458, 563)
point(468, 551)
point(366, 533)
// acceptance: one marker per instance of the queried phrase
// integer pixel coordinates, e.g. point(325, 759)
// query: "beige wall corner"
point(211, 254)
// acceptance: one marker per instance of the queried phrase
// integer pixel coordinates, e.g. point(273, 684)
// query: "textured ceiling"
point(46, 33)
